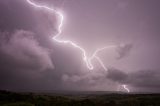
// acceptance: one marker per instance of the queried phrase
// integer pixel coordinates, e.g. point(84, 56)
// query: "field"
point(78, 99)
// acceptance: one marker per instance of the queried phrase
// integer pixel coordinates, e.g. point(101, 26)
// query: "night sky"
point(30, 60)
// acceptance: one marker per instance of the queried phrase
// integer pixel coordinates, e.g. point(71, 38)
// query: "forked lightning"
point(87, 60)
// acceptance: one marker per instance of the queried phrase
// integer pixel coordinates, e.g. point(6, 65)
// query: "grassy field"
point(78, 99)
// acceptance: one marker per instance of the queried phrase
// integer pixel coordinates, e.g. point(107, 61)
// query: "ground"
point(78, 99)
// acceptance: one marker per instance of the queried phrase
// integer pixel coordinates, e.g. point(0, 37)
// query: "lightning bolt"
point(87, 60)
point(125, 87)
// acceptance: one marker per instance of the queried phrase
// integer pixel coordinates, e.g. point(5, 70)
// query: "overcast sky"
point(31, 60)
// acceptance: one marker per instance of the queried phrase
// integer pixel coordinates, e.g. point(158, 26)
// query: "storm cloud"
point(30, 60)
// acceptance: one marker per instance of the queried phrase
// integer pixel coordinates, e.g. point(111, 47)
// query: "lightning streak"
point(125, 87)
point(87, 60)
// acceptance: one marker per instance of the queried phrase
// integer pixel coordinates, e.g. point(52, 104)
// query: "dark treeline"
point(34, 99)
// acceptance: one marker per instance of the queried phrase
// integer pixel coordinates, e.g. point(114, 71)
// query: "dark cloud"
point(21, 58)
point(116, 75)
point(145, 79)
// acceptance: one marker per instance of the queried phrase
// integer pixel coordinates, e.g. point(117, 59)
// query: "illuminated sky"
point(30, 60)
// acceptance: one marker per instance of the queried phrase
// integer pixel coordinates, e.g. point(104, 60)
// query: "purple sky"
point(30, 60)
